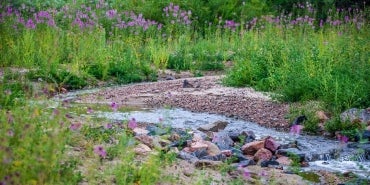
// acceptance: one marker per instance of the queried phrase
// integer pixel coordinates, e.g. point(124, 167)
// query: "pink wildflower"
point(99, 150)
point(114, 106)
point(75, 126)
point(132, 123)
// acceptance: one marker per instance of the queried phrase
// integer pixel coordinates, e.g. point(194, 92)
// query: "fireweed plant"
point(297, 55)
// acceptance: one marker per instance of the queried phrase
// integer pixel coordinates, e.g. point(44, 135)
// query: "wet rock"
point(271, 144)
point(292, 151)
point(140, 131)
point(214, 127)
point(223, 141)
point(187, 156)
point(186, 84)
point(283, 160)
point(201, 164)
point(262, 154)
point(250, 137)
point(252, 147)
point(145, 139)
point(142, 149)
point(356, 115)
point(269, 163)
point(238, 155)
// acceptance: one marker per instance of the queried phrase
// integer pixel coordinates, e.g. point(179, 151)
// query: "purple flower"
point(114, 106)
point(75, 126)
point(342, 138)
point(246, 173)
point(30, 24)
point(108, 126)
point(111, 13)
point(90, 110)
point(296, 129)
point(132, 123)
point(55, 112)
point(99, 150)
point(10, 133)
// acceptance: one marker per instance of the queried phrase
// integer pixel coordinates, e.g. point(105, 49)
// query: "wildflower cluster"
point(176, 15)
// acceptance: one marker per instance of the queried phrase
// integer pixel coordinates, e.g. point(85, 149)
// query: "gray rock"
point(223, 141)
point(355, 114)
point(187, 156)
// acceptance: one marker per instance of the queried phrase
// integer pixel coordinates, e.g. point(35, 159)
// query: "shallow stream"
point(322, 153)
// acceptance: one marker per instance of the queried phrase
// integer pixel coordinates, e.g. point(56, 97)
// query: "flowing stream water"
point(322, 153)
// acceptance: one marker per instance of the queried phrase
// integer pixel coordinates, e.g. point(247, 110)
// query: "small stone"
point(186, 84)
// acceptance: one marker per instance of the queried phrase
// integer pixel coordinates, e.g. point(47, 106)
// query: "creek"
point(321, 153)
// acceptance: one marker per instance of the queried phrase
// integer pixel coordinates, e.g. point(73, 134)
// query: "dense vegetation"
point(304, 51)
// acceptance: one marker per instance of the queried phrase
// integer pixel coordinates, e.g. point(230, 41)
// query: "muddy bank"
point(206, 94)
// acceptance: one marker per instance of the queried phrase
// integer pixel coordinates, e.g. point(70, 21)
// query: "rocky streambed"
point(206, 125)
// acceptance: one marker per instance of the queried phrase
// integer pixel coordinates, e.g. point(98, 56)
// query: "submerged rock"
point(214, 127)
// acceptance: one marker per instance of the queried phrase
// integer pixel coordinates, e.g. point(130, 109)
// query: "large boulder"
point(252, 147)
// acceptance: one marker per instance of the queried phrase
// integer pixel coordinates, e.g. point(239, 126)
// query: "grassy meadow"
point(297, 55)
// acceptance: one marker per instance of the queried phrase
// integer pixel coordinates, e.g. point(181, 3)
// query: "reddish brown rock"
point(262, 154)
point(271, 144)
point(322, 116)
point(252, 147)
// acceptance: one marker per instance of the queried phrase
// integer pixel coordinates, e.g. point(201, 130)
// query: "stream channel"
point(322, 153)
